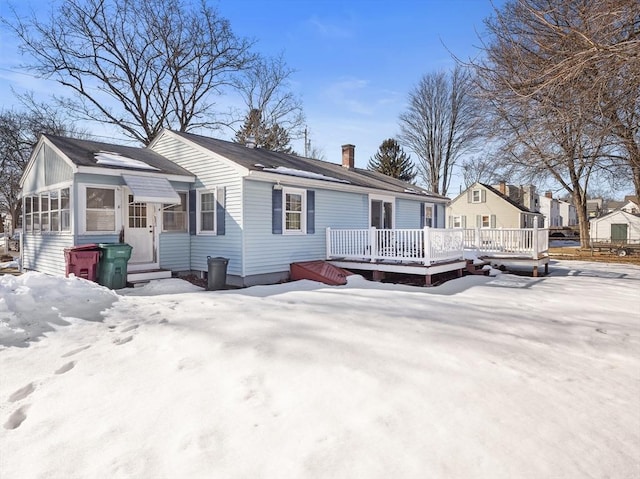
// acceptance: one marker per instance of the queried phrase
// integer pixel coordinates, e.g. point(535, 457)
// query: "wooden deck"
point(432, 251)
point(381, 267)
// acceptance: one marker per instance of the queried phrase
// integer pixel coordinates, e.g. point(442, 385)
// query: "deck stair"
point(476, 268)
point(321, 271)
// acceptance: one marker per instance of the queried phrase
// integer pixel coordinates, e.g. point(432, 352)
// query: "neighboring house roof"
point(84, 153)
point(632, 218)
point(507, 199)
point(258, 159)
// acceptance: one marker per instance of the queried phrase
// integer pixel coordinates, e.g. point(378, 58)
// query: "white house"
point(617, 227)
point(550, 208)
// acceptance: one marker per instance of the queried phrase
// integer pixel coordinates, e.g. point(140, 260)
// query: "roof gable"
point(507, 199)
point(108, 156)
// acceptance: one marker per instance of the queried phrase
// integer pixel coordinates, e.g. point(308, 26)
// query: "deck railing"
point(426, 246)
point(528, 242)
point(434, 245)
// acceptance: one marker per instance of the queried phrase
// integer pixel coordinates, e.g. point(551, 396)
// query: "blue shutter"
point(434, 221)
point(311, 212)
point(276, 212)
point(422, 206)
point(192, 211)
point(220, 211)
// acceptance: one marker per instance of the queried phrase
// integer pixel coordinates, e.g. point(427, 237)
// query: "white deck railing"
point(426, 246)
point(434, 245)
point(522, 242)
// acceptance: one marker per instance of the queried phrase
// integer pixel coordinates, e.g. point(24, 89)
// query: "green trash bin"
point(112, 271)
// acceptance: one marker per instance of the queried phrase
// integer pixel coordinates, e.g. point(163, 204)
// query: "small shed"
point(617, 227)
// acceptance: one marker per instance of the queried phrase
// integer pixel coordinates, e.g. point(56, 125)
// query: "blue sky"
point(355, 61)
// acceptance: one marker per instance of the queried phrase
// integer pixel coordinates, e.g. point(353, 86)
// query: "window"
point(48, 211)
point(137, 213)
point(44, 212)
point(381, 211)
point(457, 222)
point(65, 218)
point(476, 196)
point(485, 221)
point(207, 212)
point(174, 217)
point(428, 216)
point(101, 209)
point(294, 210)
point(35, 206)
point(28, 213)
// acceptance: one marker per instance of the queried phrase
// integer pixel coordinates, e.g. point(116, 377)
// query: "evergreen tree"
point(391, 160)
point(269, 137)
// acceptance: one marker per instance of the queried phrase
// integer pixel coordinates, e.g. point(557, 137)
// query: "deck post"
point(328, 244)
point(478, 239)
point(373, 241)
point(426, 236)
point(535, 238)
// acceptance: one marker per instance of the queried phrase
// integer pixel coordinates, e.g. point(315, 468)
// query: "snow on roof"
point(303, 174)
point(116, 159)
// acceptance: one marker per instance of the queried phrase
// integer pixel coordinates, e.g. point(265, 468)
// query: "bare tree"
point(557, 74)
point(139, 65)
point(265, 87)
point(440, 125)
point(19, 133)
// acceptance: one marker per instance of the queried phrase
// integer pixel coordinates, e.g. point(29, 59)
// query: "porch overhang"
point(151, 189)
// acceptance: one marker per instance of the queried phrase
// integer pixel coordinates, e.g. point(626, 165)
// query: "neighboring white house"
point(484, 206)
point(618, 227)
point(550, 208)
point(631, 207)
point(568, 213)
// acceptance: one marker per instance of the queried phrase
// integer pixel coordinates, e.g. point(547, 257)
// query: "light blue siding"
point(89, 239)
point(175, 251)
point(45, 253)
point(408, 213)
point(47, 169)
point(266, 252)
point(211, 173)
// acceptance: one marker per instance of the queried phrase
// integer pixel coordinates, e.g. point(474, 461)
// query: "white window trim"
point(199, 192)
point(473, 200)
point(385, 199)
point(303, 213)
point(481, 222)
point(57, 188)
point(82, 193)
point(454, 218)
point(433, 214)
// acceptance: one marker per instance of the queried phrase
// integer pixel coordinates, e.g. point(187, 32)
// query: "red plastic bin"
point(82, 261)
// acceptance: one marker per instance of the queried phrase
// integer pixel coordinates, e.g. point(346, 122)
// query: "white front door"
point(140, 232)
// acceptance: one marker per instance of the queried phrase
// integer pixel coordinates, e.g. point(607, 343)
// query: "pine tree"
point(256, 131)
point(391, 160)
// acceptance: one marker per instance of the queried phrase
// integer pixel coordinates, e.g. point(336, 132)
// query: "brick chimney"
point(502, 187)
point(348, 156)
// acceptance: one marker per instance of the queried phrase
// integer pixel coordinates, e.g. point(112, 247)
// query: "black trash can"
point(217, 275)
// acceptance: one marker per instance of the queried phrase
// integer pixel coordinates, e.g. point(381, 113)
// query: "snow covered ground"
point(481, 377)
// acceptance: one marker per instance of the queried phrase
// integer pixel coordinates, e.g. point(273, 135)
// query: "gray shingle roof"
point(257, 159)
point(82, 153)
point(509, 200)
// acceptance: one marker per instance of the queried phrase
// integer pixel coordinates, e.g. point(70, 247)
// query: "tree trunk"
point(580, 203)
